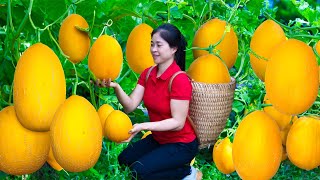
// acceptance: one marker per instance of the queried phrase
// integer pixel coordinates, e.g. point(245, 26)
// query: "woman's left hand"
point(135, 130)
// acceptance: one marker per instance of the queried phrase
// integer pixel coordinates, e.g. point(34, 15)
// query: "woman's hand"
point(106, 83)
point(134, 131)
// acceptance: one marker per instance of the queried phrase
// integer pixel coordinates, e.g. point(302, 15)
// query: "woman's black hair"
point(173, 36)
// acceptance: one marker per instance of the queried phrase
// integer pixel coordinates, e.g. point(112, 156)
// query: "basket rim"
point(233, 81)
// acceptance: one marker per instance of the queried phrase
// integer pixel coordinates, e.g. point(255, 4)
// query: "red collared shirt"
point(157, 101)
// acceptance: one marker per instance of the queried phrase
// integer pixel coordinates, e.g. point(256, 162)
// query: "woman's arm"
point(179, 111)
point(129, 103)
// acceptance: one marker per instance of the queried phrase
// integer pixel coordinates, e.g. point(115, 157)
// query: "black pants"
point(148, 159)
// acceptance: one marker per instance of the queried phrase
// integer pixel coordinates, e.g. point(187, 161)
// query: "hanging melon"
point(138, 48)
point(73, 42)
point(39, 87)
point(105, 58)
point(211, 33)
point(209, 69)
point(292, 77)
point(76, 135)
point(21, 151)
point(257, 147)
point(264, 40)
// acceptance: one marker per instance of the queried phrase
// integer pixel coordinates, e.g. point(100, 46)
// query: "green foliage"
point(25, 22)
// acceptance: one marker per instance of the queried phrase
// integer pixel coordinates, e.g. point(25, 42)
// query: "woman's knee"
point(123, 159)
point(139, 170)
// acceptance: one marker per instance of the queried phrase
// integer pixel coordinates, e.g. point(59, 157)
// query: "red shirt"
point(157, 101)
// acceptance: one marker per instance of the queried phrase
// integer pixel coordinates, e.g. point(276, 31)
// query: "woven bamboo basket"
point(210, 108)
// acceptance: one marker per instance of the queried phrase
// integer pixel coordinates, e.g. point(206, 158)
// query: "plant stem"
point(210, 9)
point(125, 75)
point(305, 36)
point(74, 90)
point(242, 59)
point(202, 12)
point(91, 91)
point(9, 18)
point(93, 19)
point(191, 19)
point(257, 56)
point(54, 40)
point(234, 10)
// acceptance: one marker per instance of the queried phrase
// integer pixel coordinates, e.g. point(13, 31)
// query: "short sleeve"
point(181, 88)
point(142, 77)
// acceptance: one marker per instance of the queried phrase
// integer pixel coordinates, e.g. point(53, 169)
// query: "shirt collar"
point(173, 68)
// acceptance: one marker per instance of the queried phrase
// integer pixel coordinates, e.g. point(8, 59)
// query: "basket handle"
point(148, 74)
point(189, 118)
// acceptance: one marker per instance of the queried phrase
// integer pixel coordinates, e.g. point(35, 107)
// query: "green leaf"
point(175, 12)
point(312, 15)
point(237, 106)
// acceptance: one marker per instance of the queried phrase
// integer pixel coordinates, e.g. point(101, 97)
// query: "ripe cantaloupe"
point(292, 77)
point(21, 151)
point(257, 147)
point(265, 39)
point(72, 41)
point(117, 126)
point(76, 135)
point(138, 48)
point(104, 112)
point(212, 32)
point(39, 87)
point(105, 58)
point(209, 69)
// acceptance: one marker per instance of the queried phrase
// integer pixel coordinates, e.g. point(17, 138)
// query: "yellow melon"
point(265, 39)
point(222, 156)
point(257, 147)
point(52, 161)
point(209, 69)
point(74, 42)
point(212, 32)
point(76, 135)
point(21, 151)
point(105, 58)
point(303, 143)
point(292, 77)
point(138, 48)
point(104, 112)
point(283, 120)
point(39, 87)
point(117, 126)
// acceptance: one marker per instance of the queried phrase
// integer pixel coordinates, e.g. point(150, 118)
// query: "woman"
point(167, 152)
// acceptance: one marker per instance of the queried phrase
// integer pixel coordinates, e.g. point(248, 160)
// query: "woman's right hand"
point(106, 83)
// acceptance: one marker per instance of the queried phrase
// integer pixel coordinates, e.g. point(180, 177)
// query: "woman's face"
point(160, 49)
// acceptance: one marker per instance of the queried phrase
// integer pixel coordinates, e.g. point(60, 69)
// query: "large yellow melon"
point(265, 39)
point(292, 77)
point(39, 87)
point(212, 32)
point(138, 48)
point(209, 69)
point(74, 42)
point(222, 156)
point(103, 113)
point(303, 143)
point(117, 126)
point(283, 120)
point(105, 58)
point(257, 147)
point(76, 135)
point(21, 151)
